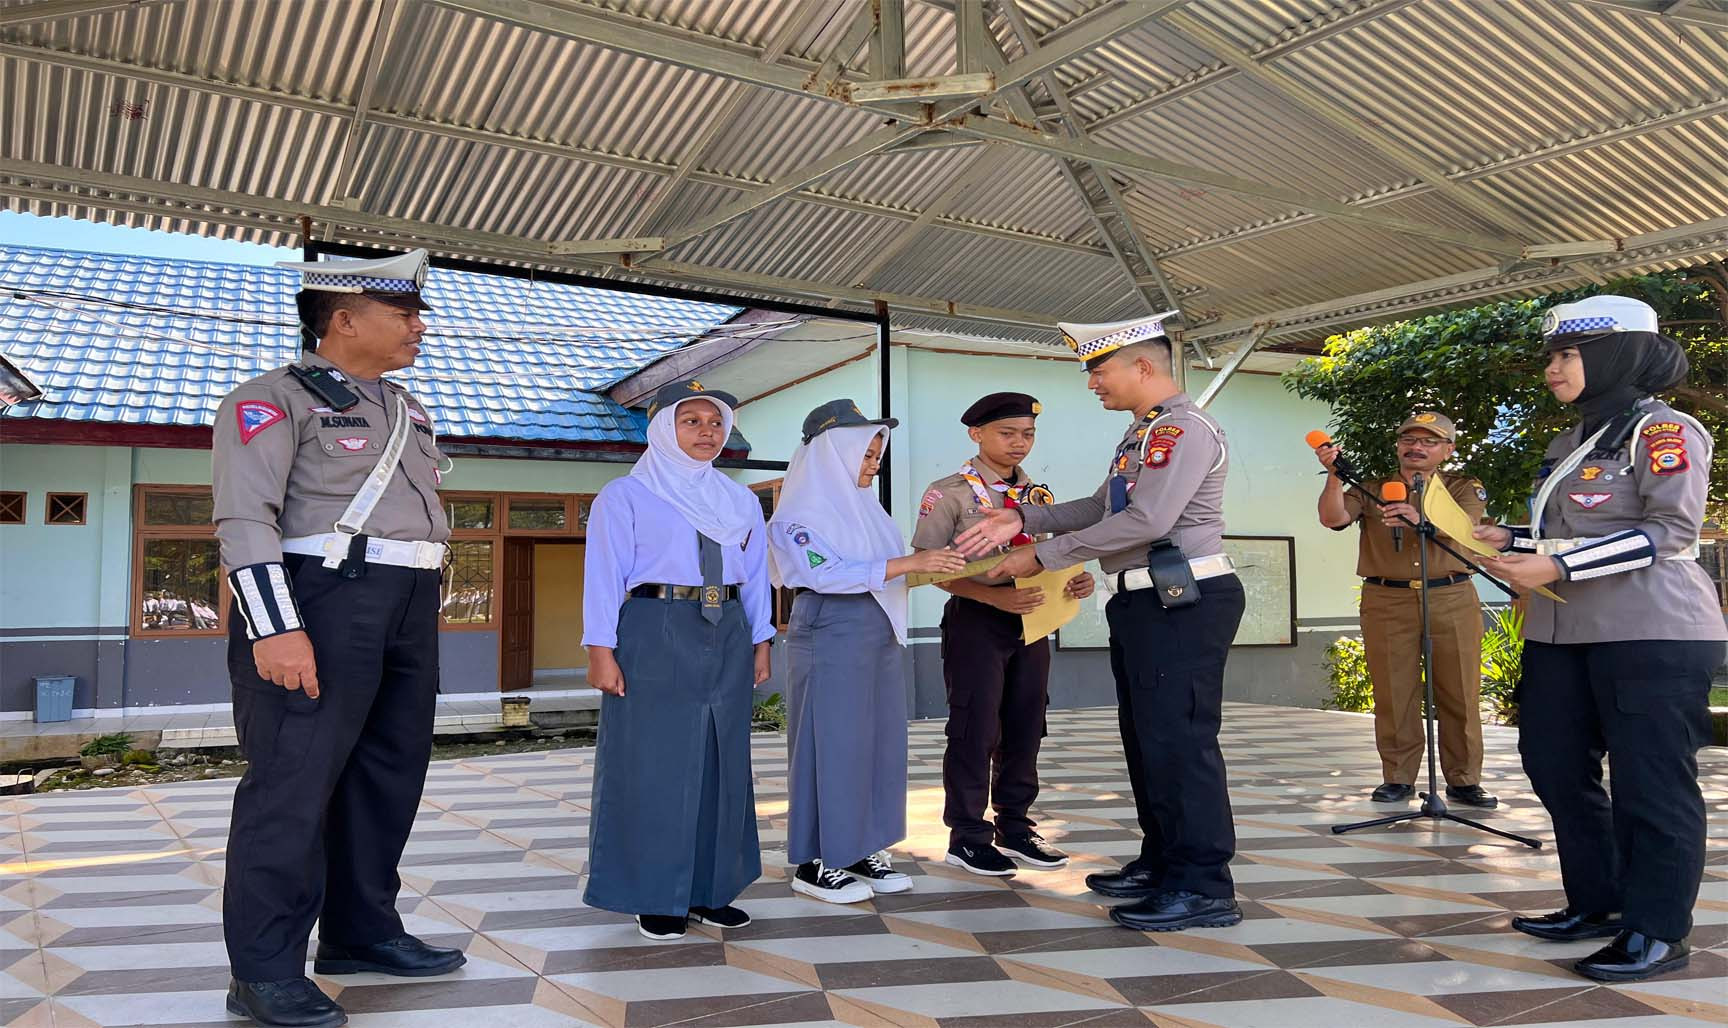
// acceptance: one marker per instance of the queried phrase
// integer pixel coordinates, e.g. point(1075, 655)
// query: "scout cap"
point(690, 389)
point(1433, 422)
point(1573, 324)
point(1093, 343)
point(997, 406)
point(840, 414)
point(393, 280)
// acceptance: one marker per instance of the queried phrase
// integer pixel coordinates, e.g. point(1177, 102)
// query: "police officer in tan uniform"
point(1623, 667)
point(325, 478)
point(1388, 561)
point(1156, 527)
point(998, 684)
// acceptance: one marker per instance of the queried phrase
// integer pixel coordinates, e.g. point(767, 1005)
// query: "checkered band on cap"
point(359, 284)
point(1090, 342)
point(1599, 315)
point(1572, 325)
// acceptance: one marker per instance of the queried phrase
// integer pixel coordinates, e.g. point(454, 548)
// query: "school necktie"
point(713, 569)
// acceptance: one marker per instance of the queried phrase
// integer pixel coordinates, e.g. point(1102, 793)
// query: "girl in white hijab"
point(677, 622)
point(832, 542)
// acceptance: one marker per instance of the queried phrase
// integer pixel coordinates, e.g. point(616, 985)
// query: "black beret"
point(997, 406)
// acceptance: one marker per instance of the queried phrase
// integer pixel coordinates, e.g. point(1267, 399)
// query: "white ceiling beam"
point(1127, 160)
point(50, 183)
point(180, 80)
point(1231, 366)
point(794, 180)
point(1676, 11)
point(377, 52)
point(1069, 42)
point(887, 39)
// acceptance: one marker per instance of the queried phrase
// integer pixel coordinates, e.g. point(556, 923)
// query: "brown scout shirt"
point(283, 465)
point(949, 507)
point(1376, 558)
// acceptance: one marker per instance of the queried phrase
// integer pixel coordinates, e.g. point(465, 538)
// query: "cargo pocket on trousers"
point(1685, 700)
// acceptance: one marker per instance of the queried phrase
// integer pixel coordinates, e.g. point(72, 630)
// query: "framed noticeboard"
point(1266, 565)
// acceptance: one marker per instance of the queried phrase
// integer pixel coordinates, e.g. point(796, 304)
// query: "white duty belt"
point(1555, 547)
point(401, 553)
point(1215, 566)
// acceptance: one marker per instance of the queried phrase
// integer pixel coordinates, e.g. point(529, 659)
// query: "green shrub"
point(769, 713)
point(1347, 669)
point(102, 745)
point(1502, 663)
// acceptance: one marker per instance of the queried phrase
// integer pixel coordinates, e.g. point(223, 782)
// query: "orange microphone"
point(1341, 466)
point(1395, 492)
point(1317, 439)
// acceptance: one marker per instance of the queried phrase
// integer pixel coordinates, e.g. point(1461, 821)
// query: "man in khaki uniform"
point(325, 479)
point(1392, 615)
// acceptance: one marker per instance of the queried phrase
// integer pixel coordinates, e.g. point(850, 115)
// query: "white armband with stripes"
point(1608, 555)
point(266, 600)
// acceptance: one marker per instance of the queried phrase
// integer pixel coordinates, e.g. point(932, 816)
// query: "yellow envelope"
point(1057, 609)
point(1455, 525)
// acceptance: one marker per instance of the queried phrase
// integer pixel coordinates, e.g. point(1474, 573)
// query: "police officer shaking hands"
point(325, 479)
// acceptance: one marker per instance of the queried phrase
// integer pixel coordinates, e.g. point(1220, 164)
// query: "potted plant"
point(104, 750)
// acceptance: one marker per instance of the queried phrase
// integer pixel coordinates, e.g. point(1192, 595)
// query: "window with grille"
point(178, 588)
point(12, 508)
point(66, 508)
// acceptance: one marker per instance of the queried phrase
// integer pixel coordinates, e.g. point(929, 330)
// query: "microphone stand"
point(1348, 476)
point(1433, 807)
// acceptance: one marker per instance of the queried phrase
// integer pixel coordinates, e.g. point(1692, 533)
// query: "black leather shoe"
point(1632, 957)
point(1128, 883)
point(1471, 796)
point(289, 1003)
point(404, 956)
point(1567, 926)
point(1392, 792)
point(1175, 910)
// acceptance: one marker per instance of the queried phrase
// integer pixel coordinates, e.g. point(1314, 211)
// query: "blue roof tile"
point(502, 357)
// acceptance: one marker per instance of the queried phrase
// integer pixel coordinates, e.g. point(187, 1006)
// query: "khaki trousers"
point(1392, 639)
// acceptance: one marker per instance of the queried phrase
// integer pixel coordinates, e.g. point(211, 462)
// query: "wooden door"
point(517, 670)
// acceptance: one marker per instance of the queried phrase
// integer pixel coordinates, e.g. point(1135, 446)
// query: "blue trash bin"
point(54, 697)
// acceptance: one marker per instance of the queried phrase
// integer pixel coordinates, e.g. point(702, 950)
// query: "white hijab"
point(716, 506)
point(821, 492)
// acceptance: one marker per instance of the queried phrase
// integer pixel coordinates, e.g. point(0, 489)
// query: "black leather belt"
point(1416, 583)
point(680, 592)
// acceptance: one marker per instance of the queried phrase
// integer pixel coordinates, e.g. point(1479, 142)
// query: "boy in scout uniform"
point(998, 685)
point(1388, 560)
point(325, 477)
point(1156, 527)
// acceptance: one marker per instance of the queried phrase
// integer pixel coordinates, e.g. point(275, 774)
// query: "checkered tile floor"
point(110, 910)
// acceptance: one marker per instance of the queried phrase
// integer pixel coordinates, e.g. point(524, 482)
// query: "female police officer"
point(1624, 665)
point(677, 623)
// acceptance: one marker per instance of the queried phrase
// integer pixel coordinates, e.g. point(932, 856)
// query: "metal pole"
point(308, 252)
point(884, 387)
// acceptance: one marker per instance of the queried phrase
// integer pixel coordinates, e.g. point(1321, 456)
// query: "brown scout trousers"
point(1392, 639)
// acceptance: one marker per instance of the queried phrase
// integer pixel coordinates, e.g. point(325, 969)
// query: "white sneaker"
point(829, 884)
point(876, 872)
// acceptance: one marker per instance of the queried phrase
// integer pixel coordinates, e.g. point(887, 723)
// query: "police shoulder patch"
point(254, 416)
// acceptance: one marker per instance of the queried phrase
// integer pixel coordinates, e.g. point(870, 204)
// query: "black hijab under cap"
point(1621, 368)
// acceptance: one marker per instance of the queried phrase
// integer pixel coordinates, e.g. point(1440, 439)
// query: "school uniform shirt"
point(807, 561)
point(636, 538)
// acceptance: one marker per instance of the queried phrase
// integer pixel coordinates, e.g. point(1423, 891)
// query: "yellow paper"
point(977, 567)
point(1057, 609)
point(1455, 524)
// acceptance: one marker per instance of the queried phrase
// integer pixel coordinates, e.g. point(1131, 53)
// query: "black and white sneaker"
point(829, 884)
point(660, 927)
point(720, 917)
point(876, 872)
point(981, 860)
point(1032, 849)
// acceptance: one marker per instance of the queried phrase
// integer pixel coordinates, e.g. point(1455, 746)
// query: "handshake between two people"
point(998, 529)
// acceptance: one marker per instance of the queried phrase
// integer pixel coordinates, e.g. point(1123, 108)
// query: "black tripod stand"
point(1433, 807)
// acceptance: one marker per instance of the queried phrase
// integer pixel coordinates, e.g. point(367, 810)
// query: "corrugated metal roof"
point(1576, 120)
point(541, 352)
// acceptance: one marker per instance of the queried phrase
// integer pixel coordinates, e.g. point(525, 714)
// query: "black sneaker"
point(829, 884)
point(981, 860)
point(661, 927)
point(876, 872)
point(720, 917)
point(1032, 849)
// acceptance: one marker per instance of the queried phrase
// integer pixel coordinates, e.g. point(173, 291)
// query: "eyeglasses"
point(1424, 441)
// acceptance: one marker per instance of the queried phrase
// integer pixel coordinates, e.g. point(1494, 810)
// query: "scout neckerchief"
point(1012, 495)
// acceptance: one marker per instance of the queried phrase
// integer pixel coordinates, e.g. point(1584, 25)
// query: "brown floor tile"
point(635, 958)
point(990, 899)
point(1297, 955)
point(1508, 1006)
point(141, 980)
point(435, 994)
point(725, 1011)
point(800, 927)
point(1114, 1018)
point(1224, 987)
point(1061, 940)
point(866, 974)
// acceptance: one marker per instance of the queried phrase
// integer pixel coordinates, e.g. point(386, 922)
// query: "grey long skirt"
point(846, 730)
point(674, 810)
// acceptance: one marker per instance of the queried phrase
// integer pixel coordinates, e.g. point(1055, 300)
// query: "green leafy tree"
point(1482, 366)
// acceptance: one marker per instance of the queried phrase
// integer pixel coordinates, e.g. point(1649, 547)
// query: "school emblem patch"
point(816, 559)
point(254, 416)
point(1589, 501)
point(801, 538)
